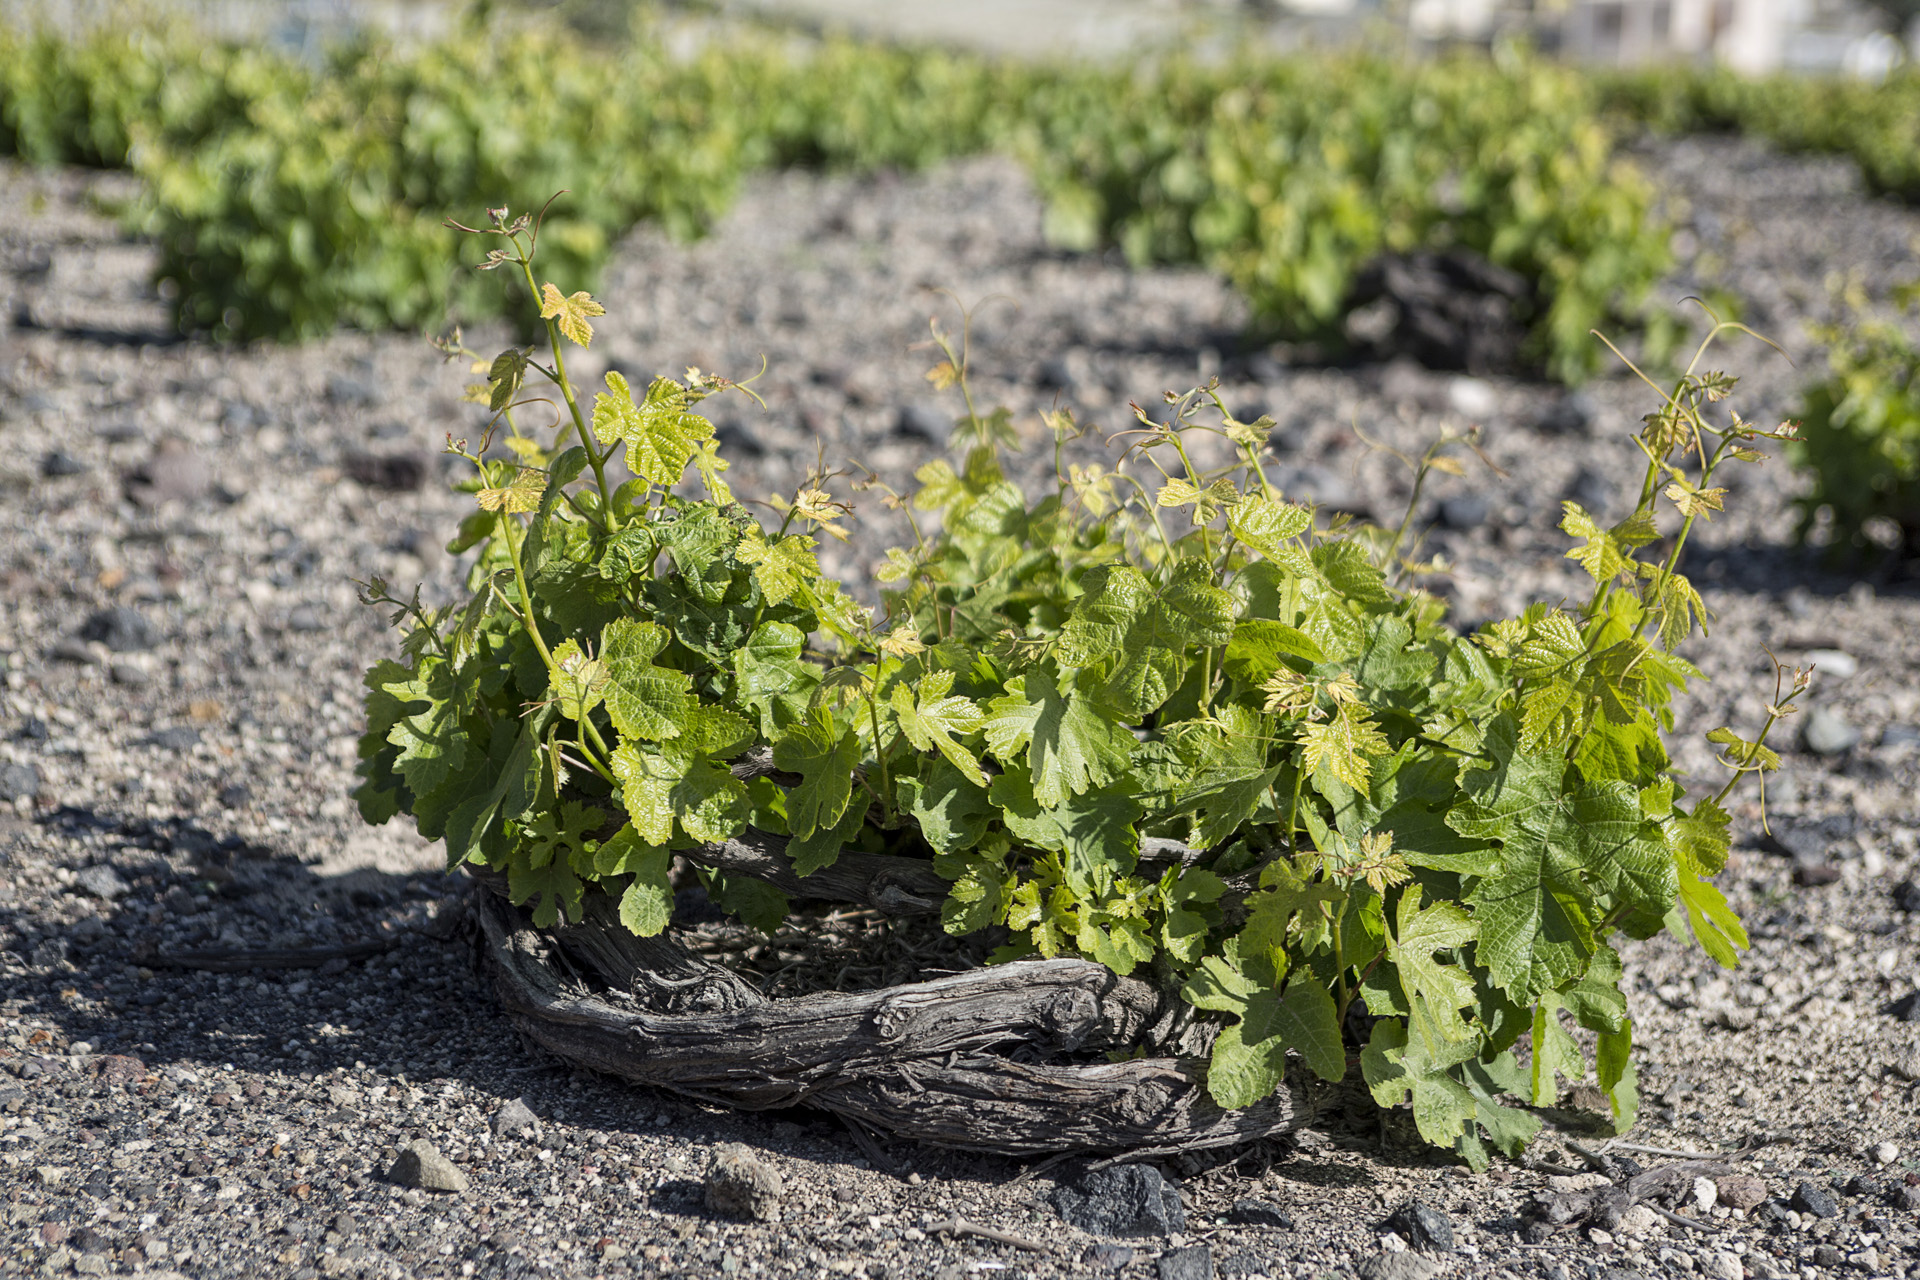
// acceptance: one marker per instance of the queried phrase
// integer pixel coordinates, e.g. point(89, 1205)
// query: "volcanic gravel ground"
point(182, 651)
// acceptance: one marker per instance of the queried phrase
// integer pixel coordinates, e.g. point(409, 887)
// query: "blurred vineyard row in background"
point(290, 196)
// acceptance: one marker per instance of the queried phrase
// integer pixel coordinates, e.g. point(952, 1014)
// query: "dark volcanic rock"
point(122, 629)
point(1127, 1200)
point(1423, 1227)
point(1814, 1199)
point(1195, 1262)
point(394, 472)
point(1448, 310)
point(1259, 1213)
point(919, 421)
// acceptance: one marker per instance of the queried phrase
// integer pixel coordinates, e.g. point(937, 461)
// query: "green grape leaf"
point(698, 539)
point(755, 902)
point(1351, 572)
point(951, 809)
point(1303, 1020)
point(1739, 751)
point(711, 730)
point(1232, 777)
point(1555, 1053)
point(1121, 945)
point(1260, 647)
point(1509, 1128)
point(1387, 662)
point(1534, 914)
point(1716, 926)
point(1267, 526)
point(1595, 1000)
point(1183, 931)
point(1613, 1059)
point(504, 376)
point(1342, 744)
point(1095, 830)
point(710, 802)
point(821, 847)
point(1553, 649)
point(1549, 713)
point(432, 741)
point(554, 883)
point(1219, 987)
point(780, 568)
point(824, 755)
point(660, 432)
point(1072, 743)
point(1114, 596)
point(1240, 1074)
point(931, 717)
point(1142, 636)
point(646, 789)
point(477, 828)
point(581, 682)
point(1435, 991)
point(979, 898)
point(1600, 555)
point(770, 675)
point(518, 496)
point(629, 553)
point(1396, 1071)
point(646, 907)
point(644, 700)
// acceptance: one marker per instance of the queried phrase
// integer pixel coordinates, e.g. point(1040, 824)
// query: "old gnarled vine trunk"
point(1011, 1059)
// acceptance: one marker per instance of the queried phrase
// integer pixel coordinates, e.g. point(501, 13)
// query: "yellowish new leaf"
point(570, 311)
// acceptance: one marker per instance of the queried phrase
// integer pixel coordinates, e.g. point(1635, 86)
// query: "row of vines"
point(289, 199)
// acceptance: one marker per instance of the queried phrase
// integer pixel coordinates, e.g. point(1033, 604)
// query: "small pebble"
point(1195, 1262)
point(420, 1165)
point(514, 1119)
point(101, 882)
point(1468, 511)
point(931, 423)
point(1811, 1198)
point(1885, 1152)
point(1472, 398)
point(1828, 733)
point(1398, 1266)
point(122, 629)
point(1721, 1265)
point(1833, 662)
point(1423, 1227)
point(1739, 1191)
point(741, 1184)
point(19, 782)
point(1259, 1213)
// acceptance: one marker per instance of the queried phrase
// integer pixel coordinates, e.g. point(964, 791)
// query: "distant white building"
point(1750, 36)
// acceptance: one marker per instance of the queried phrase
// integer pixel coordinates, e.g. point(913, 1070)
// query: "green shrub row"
point(287, 200)
point(1289, 176)
point(1878, 126)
